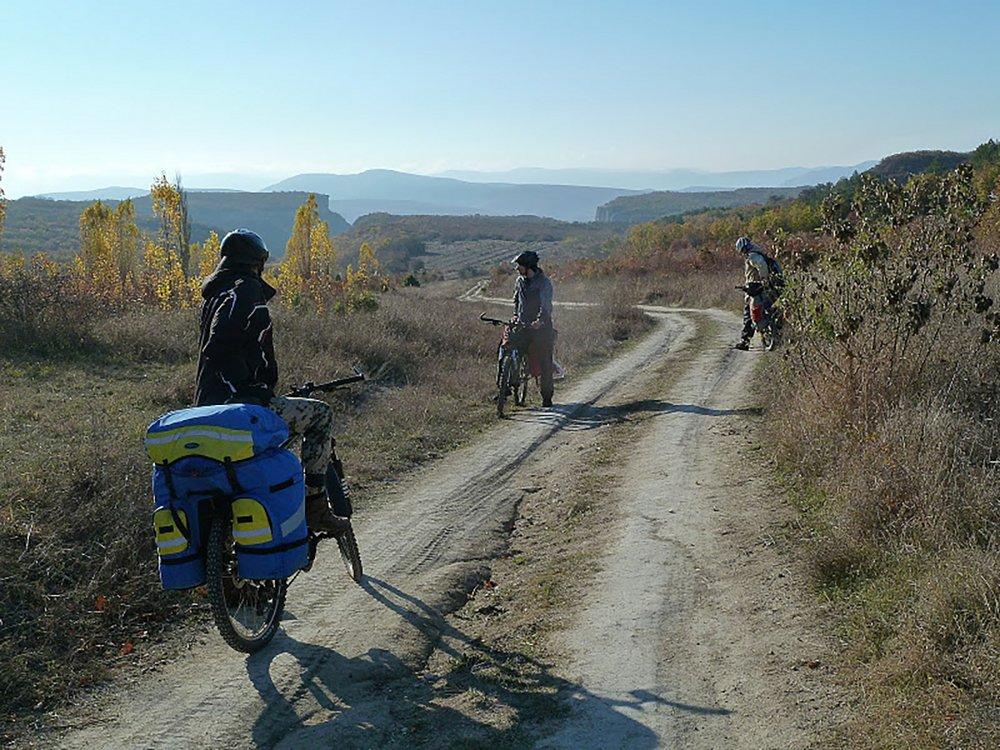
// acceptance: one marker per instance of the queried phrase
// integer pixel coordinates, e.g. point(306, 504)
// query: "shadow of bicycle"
point(376, 700)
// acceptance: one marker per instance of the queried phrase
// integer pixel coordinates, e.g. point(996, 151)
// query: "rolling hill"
point(52, 226)
point(383, 190)
point(635, 209)
point(453, 243)
point(901, 167)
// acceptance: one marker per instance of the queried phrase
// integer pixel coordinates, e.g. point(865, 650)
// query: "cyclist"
point(533, 308)
point(760, 268)
point(236, 363)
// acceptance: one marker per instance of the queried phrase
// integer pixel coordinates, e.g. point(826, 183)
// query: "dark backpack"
point(776, 275)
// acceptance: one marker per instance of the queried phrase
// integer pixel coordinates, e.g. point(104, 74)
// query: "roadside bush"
point(42, 310)
point(883, 412)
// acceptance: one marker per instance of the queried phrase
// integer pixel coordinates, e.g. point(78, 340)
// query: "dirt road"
point(660, 655)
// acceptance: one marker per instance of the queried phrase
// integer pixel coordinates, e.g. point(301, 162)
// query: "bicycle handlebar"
point(307, 389)
point(498, 322)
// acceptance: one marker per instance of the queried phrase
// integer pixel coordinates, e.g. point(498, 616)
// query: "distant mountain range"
point(384, 190)
point(114, 193)
point(685, 180)
point(565, 194)
point(575, 195)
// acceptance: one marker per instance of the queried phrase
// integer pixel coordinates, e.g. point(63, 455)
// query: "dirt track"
point(662, 655)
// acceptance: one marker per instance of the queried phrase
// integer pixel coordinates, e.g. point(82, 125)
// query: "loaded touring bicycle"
point(229, 512)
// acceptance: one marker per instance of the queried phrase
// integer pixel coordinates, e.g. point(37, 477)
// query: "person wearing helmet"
point(755, 269)
point(236, 363)
point(533, 308)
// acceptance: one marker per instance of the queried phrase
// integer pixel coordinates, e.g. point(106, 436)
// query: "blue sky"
point(112, 93)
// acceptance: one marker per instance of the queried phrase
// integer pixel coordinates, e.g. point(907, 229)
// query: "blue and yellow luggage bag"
point(226, 457)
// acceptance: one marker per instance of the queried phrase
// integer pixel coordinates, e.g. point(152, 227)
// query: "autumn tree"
point(164, 276)
point(125, 245)
point(310, 264)
point(169, 203)
point(204, 258)
point(108, 260)
point(309, 250)
point(360, 284)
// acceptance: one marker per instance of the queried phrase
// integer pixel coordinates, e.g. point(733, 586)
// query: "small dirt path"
point(665, 652)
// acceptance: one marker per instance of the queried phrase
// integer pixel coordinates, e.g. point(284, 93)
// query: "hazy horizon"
point(261, 92)
point(251, 183)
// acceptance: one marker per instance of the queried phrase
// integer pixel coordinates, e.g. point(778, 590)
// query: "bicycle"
point(512, 363)
point(247, 613)
point(765, 316)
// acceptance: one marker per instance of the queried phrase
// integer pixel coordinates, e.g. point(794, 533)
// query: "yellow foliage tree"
point(107, 264)
point(204, 258)
point(309, 268)
point(125, 246)
point(95, 261)
point(359, 284)
point(170, 206)
point(298, 249)
point(165, 279)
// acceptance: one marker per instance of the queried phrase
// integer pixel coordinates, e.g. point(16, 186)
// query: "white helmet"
point(744, 244)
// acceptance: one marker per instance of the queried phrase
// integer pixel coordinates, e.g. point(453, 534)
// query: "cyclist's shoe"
point(743, 346)
point(319, 516)
point(546, 402)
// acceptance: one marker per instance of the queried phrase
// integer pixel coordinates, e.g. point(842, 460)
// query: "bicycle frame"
point(512, 358)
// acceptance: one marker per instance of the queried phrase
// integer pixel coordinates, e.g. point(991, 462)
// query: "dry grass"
point(79, 586)
point(684, 278)
point(899, 486)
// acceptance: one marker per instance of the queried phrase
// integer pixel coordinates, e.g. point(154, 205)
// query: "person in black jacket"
point(236, 363)
point(533, 308)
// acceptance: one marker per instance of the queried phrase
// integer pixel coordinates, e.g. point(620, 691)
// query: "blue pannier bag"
point(226, 454)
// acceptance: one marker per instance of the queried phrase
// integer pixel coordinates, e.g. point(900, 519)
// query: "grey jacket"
point(533, 299)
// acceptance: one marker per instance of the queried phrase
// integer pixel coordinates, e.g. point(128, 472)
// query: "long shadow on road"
point(588, 416)
point(377, 700)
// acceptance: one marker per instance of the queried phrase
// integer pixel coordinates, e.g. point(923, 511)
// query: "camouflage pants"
point(311, 420)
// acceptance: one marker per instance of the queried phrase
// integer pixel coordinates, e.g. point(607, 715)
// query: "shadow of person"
point(376, 700)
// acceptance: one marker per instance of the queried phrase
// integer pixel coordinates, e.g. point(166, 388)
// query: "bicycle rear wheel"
point(247, 613)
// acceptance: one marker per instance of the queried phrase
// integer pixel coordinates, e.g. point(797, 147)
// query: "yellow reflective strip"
point(206, 429)
point(213, 448)
point(178, 546)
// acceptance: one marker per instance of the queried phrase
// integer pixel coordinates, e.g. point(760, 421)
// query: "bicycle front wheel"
point(504, 391)
point(521, 390)
point(247, 613)
point(350, 554)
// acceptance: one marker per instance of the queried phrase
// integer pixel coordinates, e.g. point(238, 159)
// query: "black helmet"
point(244, 246)
point(529, 259)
